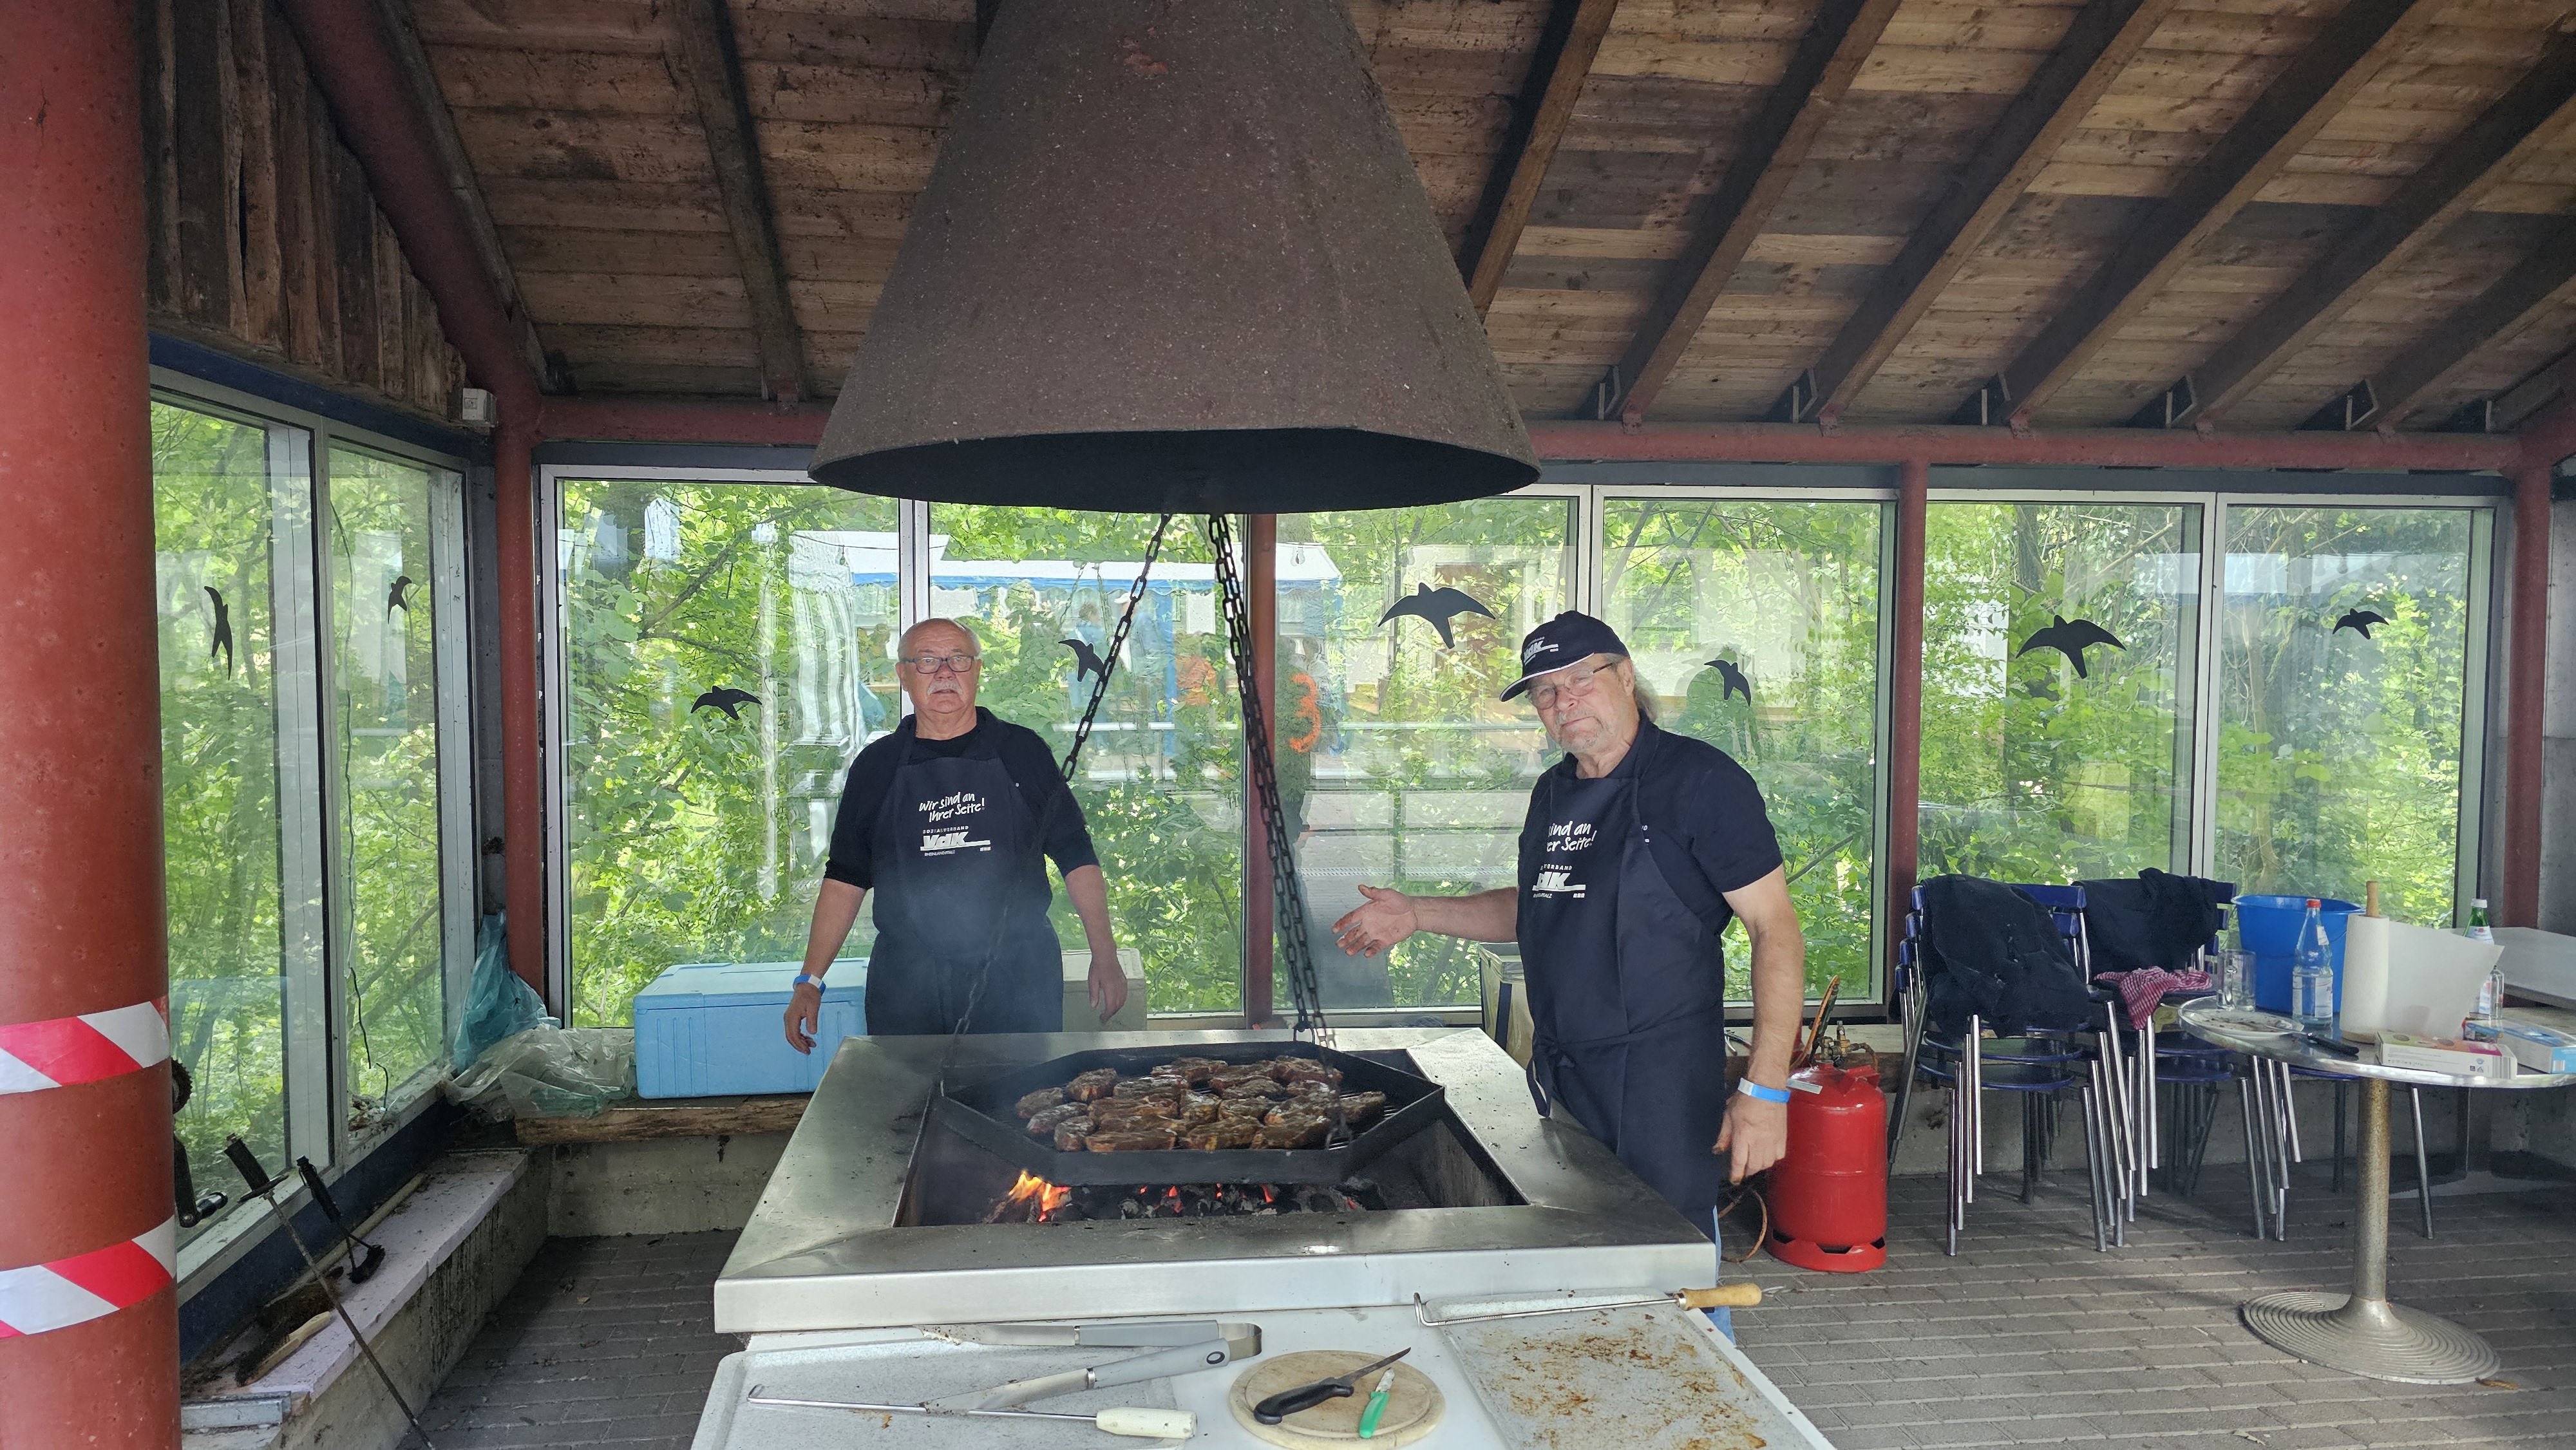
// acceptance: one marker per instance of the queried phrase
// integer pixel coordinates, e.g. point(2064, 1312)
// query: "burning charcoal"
point(1069, 1135)
point(1130, 1140)
point(1358, 1108)
point(1317, 1200)
point(1038, 1102)
point(1093, 1085)
point(1048, 1119)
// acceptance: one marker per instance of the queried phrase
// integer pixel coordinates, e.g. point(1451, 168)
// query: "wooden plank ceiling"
point(2245, 214)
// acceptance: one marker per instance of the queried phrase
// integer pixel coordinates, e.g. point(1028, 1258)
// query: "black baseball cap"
point(1568, 639)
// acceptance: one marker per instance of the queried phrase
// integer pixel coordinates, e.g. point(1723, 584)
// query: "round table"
point(2362, 1333)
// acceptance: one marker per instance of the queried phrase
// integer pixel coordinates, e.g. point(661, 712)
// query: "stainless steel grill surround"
point(832, 1245)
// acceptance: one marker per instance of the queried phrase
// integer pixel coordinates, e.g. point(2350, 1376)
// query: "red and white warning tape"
point(88, 1286)
point(62, 1051)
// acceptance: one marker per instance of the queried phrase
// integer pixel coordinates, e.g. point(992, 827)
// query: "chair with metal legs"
point(2272, 1142)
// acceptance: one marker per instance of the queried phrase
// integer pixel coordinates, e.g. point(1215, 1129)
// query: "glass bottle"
point(2312, 972)
point(2490, 991)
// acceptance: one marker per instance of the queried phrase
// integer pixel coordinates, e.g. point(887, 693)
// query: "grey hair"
point(1645, 703)
point(903, 645)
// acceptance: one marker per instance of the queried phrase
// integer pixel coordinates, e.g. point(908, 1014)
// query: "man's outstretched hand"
point(1387, 917)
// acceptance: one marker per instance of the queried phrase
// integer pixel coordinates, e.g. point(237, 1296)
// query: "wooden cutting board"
point(1413, 1404)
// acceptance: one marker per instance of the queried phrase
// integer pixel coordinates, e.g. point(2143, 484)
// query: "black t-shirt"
point(1705, 821)
point(1021, 752)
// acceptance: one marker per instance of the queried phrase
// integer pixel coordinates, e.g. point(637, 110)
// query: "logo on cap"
point(1535, 648)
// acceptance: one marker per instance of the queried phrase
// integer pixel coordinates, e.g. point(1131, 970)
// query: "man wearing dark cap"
point(1639, 847)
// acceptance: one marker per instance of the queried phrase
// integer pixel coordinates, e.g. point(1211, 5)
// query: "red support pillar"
point(2527, 661)
point(1261, 588)
point(523, 804)
point(1905, 700)
point(88, 1164)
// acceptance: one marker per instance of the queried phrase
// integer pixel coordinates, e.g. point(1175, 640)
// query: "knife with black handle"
point(1306, 1397)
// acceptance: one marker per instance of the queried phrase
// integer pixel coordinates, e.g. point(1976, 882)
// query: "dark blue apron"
point(955, 853)
point(1627, 988)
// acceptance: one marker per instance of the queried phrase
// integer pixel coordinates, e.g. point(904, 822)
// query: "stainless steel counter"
point(828, 1247)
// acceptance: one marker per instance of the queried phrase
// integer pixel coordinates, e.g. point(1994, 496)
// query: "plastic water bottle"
point(2312, 972)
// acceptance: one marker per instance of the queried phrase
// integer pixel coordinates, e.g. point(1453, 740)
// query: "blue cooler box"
point(715, 1029)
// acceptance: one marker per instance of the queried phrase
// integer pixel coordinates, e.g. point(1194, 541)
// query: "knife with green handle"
point(1376, 1404)
point(1306, 1397)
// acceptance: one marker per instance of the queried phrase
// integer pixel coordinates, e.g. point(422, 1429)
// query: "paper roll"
point(2433, 979)
point(2365, 974)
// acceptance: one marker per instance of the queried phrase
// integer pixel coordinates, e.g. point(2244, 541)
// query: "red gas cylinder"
point(1828, 1195)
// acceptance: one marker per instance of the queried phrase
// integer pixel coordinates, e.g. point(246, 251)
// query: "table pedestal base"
point(2370, 1337)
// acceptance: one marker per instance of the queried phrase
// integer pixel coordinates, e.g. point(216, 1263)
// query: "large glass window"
point(2342, 668)
point(1160, 783)
point(1398, 765)
point(213, 540)
point(2059, 647)
point(728, 648)
point(1754, 624)
point(384, 636)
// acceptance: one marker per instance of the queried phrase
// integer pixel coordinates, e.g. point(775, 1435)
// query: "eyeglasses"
point(1577, 680)
point(937, 664)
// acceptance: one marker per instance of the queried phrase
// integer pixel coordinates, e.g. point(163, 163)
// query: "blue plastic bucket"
point(2269, 927)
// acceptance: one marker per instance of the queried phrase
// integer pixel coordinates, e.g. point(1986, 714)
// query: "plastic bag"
point(549, 1072)
point(498, 1002)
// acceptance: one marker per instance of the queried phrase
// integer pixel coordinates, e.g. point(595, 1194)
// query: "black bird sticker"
point(222, 640)
point(727, 699)
point(2070, 638)
point(394, 597)
point(1733, 675)
point(1086, 660)
point(2360, 621)
point(1438, 606)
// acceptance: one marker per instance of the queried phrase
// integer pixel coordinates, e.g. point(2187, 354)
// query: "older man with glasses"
point(950, 820)
point(1640, 846)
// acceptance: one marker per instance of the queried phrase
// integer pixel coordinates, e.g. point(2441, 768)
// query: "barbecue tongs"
point(1180, 1347)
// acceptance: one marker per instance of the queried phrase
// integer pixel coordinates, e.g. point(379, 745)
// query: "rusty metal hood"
point(1174, 256)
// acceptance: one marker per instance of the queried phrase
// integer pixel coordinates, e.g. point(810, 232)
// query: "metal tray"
point(981, 1111)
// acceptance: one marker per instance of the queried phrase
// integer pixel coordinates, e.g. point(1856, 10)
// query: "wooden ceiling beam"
point(2525, 120)
point(1540, 115)
point(2517, 299)
point(456, 170)
point(702, 44)
point(1767, 157)
point(2346, 53)
point(2104, 37)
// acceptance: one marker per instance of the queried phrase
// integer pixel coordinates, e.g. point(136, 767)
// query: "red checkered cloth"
point(2143, 990)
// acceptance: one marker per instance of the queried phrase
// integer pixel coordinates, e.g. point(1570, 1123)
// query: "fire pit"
point(886, 1211)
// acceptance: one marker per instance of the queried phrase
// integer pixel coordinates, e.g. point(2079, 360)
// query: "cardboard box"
point(2537, 1048)
point(2443, 1054)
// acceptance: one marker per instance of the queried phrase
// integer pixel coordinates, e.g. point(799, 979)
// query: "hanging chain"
point(1289, 896)
point(1073, 756)
point(1117, 643)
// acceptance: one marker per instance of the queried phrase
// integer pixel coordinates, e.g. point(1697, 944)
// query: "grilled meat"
point(1130, 1140)
point(1037, 1102)
point(1225, 1133)
point(1295, 1131)
point(1071, 1133)
point(1093, 1085)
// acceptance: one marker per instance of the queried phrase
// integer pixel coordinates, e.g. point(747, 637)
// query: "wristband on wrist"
point(1756, 1091)
point(808, 979)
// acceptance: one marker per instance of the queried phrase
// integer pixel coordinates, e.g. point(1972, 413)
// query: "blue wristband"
point(806, 979)
point(1759, 1093)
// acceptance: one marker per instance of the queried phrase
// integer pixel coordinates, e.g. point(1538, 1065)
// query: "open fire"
point(1034, 1200)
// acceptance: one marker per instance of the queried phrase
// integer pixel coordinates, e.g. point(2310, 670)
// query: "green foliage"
point(211, 514)
point(1787, 592)
point(2339, 755)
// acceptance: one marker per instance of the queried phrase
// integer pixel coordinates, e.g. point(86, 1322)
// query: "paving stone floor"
point(2028, 1337)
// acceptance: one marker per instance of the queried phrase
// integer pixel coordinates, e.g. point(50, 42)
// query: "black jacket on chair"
point(1991, 951)
point(2154, 919)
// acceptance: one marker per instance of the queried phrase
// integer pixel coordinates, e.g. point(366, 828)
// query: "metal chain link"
point(1288, 892)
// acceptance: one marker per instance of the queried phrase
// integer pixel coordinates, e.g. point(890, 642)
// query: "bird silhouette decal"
point(1439, 606)
point(2360, 620)
point(727, 699)
point(1733, 676)
point(394, 597)
point(2070, 637)
point(222, 639)
point(1086, 660)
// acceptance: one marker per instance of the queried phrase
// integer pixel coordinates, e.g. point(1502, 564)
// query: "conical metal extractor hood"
point(1174, 257)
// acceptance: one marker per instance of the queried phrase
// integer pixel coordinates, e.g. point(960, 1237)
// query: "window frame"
point(312, 951)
